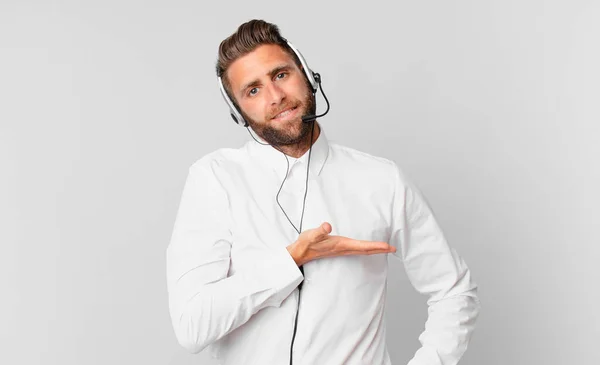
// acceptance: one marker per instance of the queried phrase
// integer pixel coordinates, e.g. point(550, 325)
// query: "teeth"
point(283, 114)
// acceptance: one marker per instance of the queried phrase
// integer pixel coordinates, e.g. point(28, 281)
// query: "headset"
point(314, 79)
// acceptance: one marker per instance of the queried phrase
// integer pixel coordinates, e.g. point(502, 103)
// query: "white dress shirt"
point(233, 286)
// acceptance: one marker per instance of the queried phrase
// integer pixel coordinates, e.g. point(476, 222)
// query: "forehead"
point(257, 64)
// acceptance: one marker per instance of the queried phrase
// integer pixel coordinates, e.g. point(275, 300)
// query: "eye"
point(281, 75)
point(253, 91)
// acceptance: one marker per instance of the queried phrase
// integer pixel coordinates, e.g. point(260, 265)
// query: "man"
point(247, 282)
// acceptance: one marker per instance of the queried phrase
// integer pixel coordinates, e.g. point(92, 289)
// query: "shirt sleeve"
point(436, 270)
point(205, 303)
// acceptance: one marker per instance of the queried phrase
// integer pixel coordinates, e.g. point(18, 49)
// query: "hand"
point(316, 243)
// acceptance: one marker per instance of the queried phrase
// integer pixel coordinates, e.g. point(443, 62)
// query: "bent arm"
point(434, 269)
point(206, 303)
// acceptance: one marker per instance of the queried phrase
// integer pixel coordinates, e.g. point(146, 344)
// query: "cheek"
point(299, 89)
point(254, 109)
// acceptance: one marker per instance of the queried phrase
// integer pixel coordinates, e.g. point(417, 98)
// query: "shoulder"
point(362, 160)
point(220, 160)
point(384, 170)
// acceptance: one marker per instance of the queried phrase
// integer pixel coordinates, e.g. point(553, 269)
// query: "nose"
point(276, 94)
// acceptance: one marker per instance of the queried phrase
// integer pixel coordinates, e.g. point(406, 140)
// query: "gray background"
point(491, 108)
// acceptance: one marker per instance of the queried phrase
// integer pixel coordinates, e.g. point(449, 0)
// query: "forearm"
point(448, 330)
point(203, 312)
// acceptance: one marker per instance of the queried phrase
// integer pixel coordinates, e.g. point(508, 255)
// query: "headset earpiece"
point(233, 110)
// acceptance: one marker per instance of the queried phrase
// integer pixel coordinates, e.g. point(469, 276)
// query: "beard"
point(285, 133)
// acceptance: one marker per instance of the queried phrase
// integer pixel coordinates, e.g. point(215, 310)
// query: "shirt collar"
point(268, 155)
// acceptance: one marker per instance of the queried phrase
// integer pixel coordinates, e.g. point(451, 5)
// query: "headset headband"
point(233, 110)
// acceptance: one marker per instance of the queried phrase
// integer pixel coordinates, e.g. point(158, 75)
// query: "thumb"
point(325, 228)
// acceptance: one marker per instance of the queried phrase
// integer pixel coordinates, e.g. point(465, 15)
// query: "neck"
point(298, 149)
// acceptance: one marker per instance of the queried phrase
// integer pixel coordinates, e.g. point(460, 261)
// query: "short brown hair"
point(246, 39)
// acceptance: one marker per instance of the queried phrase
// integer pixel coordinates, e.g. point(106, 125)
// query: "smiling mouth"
point(287, 113)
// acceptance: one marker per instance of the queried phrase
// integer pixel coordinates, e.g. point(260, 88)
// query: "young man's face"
point(273, 94)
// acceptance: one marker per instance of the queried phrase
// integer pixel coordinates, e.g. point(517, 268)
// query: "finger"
point(390, 250)
point(362, 253)
point(359, 247)
point(350, 244)
point(373, 245)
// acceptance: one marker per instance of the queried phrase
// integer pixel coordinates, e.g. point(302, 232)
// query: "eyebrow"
point(271, 73)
